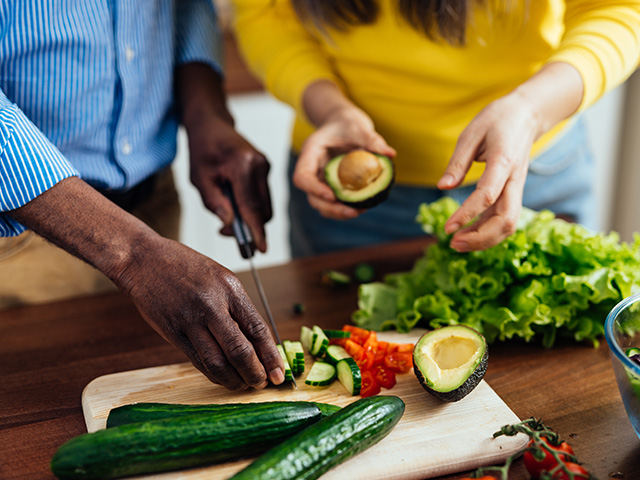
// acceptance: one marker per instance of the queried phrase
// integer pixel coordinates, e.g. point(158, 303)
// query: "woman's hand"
point(502, 135)
point(341, 127)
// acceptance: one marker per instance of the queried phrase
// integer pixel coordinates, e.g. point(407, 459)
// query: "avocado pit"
point(360, 179)
point(358, 169)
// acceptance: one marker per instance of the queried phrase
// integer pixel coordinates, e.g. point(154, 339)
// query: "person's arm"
point(600, 49)
point(218, 153)
point(293, 66)
point(29, 164)
point(341, 126)
point(194, 303)
point(502, 135)
point(279, 50)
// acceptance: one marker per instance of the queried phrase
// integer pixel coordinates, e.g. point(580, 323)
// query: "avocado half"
point(360, 179)
point(450, 361)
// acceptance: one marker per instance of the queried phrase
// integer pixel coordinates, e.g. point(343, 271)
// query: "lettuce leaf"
point(551, 279)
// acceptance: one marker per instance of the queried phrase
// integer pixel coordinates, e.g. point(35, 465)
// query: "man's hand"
point(219, 154)
point(202, 308)
point(193, 302)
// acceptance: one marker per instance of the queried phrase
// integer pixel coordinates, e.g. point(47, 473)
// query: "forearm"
point(78, 219)
point(553, 94)
point(322, 99)
point(200, 94)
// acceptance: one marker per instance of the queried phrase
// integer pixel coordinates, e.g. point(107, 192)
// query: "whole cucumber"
point(143, 412)
point(181, 442)
point(320, 447)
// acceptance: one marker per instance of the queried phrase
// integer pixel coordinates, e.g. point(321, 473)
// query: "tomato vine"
point(546, 456)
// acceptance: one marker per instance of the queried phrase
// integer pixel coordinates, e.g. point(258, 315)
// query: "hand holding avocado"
point(341, 127)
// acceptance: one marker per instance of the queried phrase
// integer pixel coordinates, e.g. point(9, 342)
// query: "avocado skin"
point(371, 201)
point(463, 390)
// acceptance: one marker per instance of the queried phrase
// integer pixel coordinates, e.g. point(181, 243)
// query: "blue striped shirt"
point(86, 89)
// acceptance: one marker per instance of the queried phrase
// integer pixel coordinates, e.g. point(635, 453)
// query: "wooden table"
point(49, 353)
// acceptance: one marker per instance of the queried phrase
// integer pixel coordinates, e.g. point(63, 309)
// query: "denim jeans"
point(560, 179)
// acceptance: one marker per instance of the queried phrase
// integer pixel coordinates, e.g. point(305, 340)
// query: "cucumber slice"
point(337, 333)
point(288, 375)
point(306, 338)
point(632, 351)
point(321, 374)
point(295, 355)
point(320, 342)
point(291, 356)
point(349, 375)
point(335, 353)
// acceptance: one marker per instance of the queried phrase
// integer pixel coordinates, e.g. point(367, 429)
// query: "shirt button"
point(129, 54)
point(126, 148)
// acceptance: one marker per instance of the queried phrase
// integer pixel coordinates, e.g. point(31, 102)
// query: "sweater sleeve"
point(602, 41)
point(29, 164)
point(279, 49)
point(198, 37)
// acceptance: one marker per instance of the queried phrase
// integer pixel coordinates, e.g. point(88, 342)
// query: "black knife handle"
point(240, 230)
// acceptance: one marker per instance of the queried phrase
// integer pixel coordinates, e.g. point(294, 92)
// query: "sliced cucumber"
point(632, 351)
point(349, 375)
point(288, 375)
point(335, 353)
point(320, 342)
point(337, 333)
point(321, 374)
point(295, 355)
point(306, 338)
point(291, 358)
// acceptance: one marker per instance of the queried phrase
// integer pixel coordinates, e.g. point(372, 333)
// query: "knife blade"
point(246, 246)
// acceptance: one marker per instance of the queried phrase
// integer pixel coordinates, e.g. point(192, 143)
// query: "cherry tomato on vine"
point(535, 467)
point(577, 470)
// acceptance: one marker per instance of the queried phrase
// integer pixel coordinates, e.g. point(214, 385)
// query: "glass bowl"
point(622, 331)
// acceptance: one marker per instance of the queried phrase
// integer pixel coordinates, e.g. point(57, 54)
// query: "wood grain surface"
point(49, 353)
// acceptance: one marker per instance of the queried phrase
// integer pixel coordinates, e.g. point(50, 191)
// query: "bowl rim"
point(609, 335)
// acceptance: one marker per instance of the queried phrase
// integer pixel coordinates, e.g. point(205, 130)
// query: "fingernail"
point(460, 246)
point(262, 385)
point(452, 228)
point(276, 376)
point(446, 180)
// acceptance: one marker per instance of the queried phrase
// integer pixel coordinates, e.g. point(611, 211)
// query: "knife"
point(247, 246)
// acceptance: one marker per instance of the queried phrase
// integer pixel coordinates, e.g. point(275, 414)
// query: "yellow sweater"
point(422, 94)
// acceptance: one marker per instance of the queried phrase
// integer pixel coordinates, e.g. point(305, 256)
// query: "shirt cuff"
point(29, 165)
point(199, 39)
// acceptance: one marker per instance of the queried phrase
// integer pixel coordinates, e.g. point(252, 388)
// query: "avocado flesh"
point(370, 195)
point(450, 361)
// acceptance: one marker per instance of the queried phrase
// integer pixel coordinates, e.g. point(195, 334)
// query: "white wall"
point(604, 122)
point(266, 123)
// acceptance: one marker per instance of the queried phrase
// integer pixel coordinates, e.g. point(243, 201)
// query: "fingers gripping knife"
point(247, 250)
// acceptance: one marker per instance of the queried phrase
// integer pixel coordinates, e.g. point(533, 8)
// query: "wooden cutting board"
point(432, 438)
